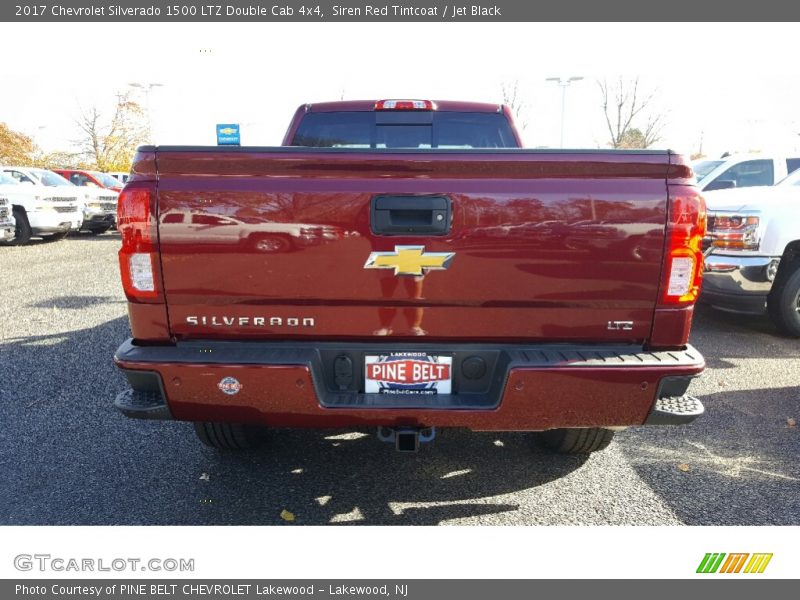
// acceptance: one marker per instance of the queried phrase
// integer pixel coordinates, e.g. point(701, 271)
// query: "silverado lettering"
point(504, 289)
point(216, 321)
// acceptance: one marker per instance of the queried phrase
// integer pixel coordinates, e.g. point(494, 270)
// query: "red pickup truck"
point(406, 265)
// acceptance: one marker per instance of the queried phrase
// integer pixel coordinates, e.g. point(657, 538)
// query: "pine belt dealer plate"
point(412, 373)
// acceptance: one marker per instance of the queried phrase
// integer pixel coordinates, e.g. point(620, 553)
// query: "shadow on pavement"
point(739, 460)
point(365, 481)
point(722, 336)
point(86, 236)
point(68, 457)
point(76, 302)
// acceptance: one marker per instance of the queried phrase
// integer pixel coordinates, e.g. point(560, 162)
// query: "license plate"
point(408, 373)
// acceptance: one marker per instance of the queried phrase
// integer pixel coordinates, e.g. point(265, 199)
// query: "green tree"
point(633, 138)
point(59, 159)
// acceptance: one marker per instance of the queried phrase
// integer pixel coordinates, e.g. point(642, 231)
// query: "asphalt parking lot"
point(68, 457)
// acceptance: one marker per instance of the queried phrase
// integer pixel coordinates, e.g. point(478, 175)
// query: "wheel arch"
point(789, 259)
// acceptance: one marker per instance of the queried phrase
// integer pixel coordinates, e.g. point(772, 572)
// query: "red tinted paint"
point(547, 246)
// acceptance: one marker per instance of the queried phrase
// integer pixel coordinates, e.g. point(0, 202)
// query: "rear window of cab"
point(405, 129)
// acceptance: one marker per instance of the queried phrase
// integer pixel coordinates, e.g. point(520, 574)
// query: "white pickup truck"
point(752, 262)
point(40, 210)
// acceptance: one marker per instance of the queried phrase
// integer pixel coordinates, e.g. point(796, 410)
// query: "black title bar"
point(399, 10)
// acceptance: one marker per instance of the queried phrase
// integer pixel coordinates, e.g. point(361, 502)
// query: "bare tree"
point(513, 99)
point(624, 104)
point(109, 145)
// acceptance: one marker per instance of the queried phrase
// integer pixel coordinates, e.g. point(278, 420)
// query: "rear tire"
point(228, 436)
point(783, 302)
point(577, 441)
point(22, 233)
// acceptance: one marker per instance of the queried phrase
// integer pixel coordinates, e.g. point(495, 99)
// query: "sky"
point(719, 85)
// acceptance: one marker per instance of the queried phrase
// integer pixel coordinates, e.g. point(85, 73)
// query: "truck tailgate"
point(545, 246)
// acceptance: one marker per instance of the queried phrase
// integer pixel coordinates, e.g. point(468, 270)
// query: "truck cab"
point(120, 176)
point(743, 170)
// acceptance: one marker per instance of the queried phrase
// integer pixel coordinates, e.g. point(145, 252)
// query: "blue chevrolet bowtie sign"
point(228, 134)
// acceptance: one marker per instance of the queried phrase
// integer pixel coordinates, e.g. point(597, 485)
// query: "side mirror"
point(720, 184)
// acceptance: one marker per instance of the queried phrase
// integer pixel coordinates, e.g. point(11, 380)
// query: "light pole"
point(563, 83)
point(147, 88)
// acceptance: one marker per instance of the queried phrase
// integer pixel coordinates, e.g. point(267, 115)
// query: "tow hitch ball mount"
point(406, 439)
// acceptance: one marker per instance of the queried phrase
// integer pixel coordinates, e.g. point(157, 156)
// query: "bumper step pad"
point(139, 404)
point(676, 410)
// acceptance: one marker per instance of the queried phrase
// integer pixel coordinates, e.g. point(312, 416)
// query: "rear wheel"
point(229, 436)
point(22, 233)
point(783, 302)
point(577, 441)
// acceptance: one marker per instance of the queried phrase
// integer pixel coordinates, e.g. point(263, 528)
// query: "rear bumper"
point(526, 388)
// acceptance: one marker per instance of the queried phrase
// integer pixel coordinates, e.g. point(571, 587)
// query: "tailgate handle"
point(410, 215)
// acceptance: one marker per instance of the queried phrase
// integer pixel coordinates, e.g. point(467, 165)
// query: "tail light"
point(683, 259)
point(404, 105)
point(138, 256)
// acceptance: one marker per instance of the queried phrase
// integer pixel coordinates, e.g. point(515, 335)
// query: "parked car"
point(98, 206)
point(90, 178)
point(7, 222)
point(49, 211)
point(752, 263)
point(408, 325)
point(743, 170)
point(120, 176)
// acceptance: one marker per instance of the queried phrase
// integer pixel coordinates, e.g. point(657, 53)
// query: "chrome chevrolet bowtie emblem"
point(409, 260)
